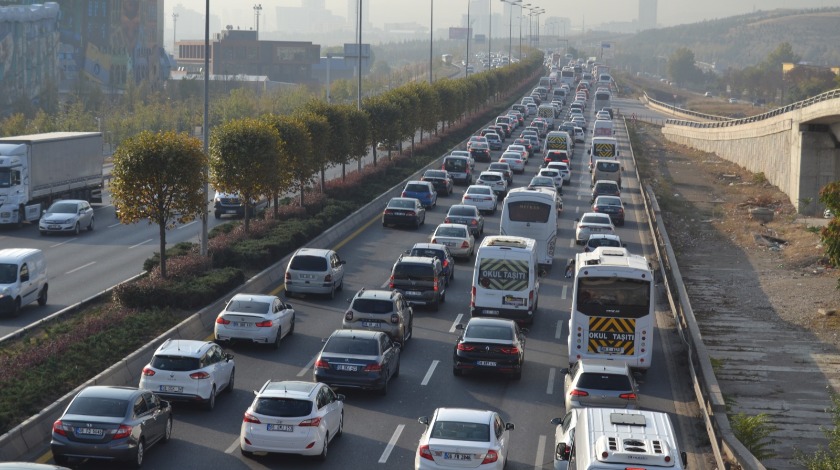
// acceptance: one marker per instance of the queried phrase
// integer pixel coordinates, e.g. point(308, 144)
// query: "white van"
point(547, 111)
point(616, 439)
point(506, 279)
point(23, 279)
point(606, 169)
point(602, 128)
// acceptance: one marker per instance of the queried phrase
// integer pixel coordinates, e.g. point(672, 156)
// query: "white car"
point(457, 237)
point(591, 223)
point(547, 182)
point(555, 175)
point(292, 417)
point(189, 371)
point(482, 197)
point(495, 180)
point(67, 216)
point(564, 433)
point(520, 149)
point(563, 168)
point(514, 160)
point(580, 135)
point(256, 318)
point(461, 438)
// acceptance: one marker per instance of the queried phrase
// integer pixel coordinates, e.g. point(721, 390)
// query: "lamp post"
point(359, 90)
point(431, 39)
point(205, 132)
point(510, 26)
point(257, 10)
point(174, 29)
point(489, 35)
point(467, 66)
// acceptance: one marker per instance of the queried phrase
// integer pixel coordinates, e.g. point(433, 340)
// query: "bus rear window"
point(528, 211)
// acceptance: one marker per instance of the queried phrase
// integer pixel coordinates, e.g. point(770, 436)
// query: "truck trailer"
point(40, 168)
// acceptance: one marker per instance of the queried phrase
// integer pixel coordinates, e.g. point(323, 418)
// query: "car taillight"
point(620, 210)
point(222, 321)
point(249, 418)
point(531, 298)
point(328, 278)
point(436, 288)
point(264, 324)
point(348, 315)
point(490, 457)
point(465, 347)
point(61, 428)
point(446, 221)
point(322, 364)
point(510, 350)
point(411, 213)
point(289, 275)
point(579, 393)
point(122, 432)
point(425, 452)
point(148, 372)
point(473, 222)
point(375, 367)
point(395, 318)
point(595, 209)
point(627, 396)
point(403, 194)
point(583, 226)
point(199, 375)
point(391, 281)
point(445, 263)
point(387, 212)
point(434, 240)
point(472, 297)
point(465, 244)
point(314, 422)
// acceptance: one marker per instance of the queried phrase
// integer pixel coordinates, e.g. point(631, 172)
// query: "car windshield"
point(435, 174)
point(491, 178)
point(499, 166)
point(606, 188)
point(283, 407)
point(62, 208)
point(595, 219)
point(552, 173)
point(372, 306)
point(248, 306)
point(596, 242)
point(98, 406)
point(417, 188)
point(8, 273)
point(488, 332)
point(468, 211)
point(350, 345)
point(542, 182)
point(451, 232)
point(401, 204)
point(607, 201)
point(602, 381)
point(455, 164)
point(414, 272)
point(607, 166)
point(460, 431)
point(175, 363)
point(428, 253)
point(482, 191)
point(308, 263)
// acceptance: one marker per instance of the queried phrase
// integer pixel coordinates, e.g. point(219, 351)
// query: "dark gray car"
point(111, 423)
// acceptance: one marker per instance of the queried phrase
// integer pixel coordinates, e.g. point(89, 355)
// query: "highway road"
point(382, 432)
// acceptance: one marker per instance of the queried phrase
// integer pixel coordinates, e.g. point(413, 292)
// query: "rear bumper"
point(517, 315)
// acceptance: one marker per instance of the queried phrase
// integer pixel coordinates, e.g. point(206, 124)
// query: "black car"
point(436, 250)
point(612, 206)
point(404, 211)
point(494, 345)
point(441, 180)
point(420, 280)
point(111, 423)
point(480, 152)
point(361, 359)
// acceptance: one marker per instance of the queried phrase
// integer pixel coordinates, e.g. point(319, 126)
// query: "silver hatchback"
point(315, 271)
point(600, 382)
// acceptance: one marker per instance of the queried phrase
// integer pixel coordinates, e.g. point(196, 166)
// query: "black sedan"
point(111, 423)
point(441, 179)
point(612, 206)
point(493, 345)
point(480, 151)
point(404, 211)
point(358, 359)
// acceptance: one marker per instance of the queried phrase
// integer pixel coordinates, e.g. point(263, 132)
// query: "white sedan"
point(463, 437)
point(591, 223)
point(482, 197)
point(457, 237)
point(514, 160)
point(555, 175)
point(255, 318)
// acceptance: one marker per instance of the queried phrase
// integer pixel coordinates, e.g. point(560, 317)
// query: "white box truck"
point(37, 169)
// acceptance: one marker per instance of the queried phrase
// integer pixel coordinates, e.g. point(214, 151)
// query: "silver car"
point(315, 271)
point(67, 216)
point(600, 382)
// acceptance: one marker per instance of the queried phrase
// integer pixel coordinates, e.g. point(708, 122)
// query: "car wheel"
point(232, 381)
point(323, 455)
point(417, 224)
point(210, 403)
point(139, 454)
point(42, 297)
point(340, 285)
point(217, 215)
point(276, 344)
point(167, 431)
point(436, 305)
point(90, 225)
point(246, 453)
point(331, 295)
point(16, 308)
point(340, 431)
point(43, 233)
point(76, 229)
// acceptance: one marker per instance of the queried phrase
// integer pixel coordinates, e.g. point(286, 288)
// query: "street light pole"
point(467, 66)
point(431, 39)
point(174, 36)
point(257, 10)
point(490, 36)
point(204, 130)
point(359, 91)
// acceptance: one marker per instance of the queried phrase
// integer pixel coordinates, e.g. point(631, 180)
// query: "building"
point(239, 52)
point(647, 14)
point(29, 51)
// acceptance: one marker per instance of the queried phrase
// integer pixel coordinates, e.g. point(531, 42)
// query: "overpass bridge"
point(797, 147)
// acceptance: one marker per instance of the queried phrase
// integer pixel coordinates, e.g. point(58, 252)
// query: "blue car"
point(424, 191)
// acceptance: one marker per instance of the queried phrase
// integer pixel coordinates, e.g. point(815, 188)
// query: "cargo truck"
point(37, 169)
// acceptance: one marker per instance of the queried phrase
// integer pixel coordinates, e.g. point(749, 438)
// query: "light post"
point(359, 90)
point(257, 10)
point(510, 26)
point(489, 36)
point(205, 132)
point(174, 37)
point(467, 66)
point(431, 39)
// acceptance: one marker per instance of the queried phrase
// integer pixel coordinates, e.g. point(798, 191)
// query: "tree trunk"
point(323, 177)
point(162, 235)
point(276, 198)
point(412, 145)
point(374, 155)
point(302, 188)
point(247, 217)
point(343, 171)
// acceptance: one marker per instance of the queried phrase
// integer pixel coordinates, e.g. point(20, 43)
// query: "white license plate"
point(280, 427)
point(90, 431)
point(399, 213)
point(490, 312)
point(454, 456)
point(610, 350)
point(241, 324)
point(231, 211)
point(449, 243)
point(346, 368)
point(370, 324)
point(306, 276)
point(53, 227)
point(413, 292)
point(485, 363)
point(171, 389)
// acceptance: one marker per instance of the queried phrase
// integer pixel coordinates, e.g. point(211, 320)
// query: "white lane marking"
point(307, 367)
point(232, 447)
point(141, 243)
point(540, 451)
point(559, 330)
point(456, 322)
point(430, 372)
point(115, 225)
point(393, 442)
point(549, 389)
point(564, 292)
point(63, 243)
point(187, 225)
point(80, 267)
point(572, 243)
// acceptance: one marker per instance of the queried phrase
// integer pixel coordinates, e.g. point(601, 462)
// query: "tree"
point(296, 163)
point(159, 177)
point(358, 130)
point(337, 141)
point(681, 66)
point(244, 155)
point(318, 128)
point(383, 116)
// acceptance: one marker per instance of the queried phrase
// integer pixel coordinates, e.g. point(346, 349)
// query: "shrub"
point(186, 293)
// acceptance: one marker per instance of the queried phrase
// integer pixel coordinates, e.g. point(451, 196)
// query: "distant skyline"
point(448, 12)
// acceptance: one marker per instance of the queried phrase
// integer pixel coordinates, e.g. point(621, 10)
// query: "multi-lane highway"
point(382, 432)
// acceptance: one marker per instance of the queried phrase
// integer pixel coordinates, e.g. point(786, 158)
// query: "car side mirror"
point(423, 420)
point(556, 421)
point(228, 357)
point(509, 426)
point(460, 326)
point(288, 306)
point(564, 370)
point(340, 397)
point(684, 458)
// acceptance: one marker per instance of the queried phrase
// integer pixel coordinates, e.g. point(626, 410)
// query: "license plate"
point(485, 363)
point(171, 389)
point(490, 312)
point(306, 276)
point(241, 324)
point(449, 243)
point(280, 427)
point(454, 456)
point(413, 292)
point(53, 227)
point(346, 367)
point(230, 211)
point(370, 324)
point(90, 431)
point(399, 213)
point(610, 350)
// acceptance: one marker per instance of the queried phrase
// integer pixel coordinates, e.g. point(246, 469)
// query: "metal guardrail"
point(828, 95)
point(674, 108)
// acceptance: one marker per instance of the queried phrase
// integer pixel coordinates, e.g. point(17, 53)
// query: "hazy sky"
point(448, 12)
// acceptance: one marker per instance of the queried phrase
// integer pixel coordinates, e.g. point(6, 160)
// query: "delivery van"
point(23, 279)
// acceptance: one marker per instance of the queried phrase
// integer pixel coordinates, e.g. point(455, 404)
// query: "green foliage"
point(759, 178)
point(830, 234)
point(754, 432)
point(681, 66)
point(190, 292)
point(825, 458)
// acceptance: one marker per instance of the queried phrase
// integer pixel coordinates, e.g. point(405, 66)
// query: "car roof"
point(108, 391)
point(604, 365)
point(466, 415)
point(183, 347)
point(609, 182)
point(288, 388)
point(460, 206)
point(417, 260)
point(446, 225)
point(313, 252)
point(490, 321)
point(254, 297)
point(595, 214)
point(403, 199)
point(374, 294)
point(480, 186)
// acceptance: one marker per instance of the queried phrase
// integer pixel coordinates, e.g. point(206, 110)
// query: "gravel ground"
point(762, 293)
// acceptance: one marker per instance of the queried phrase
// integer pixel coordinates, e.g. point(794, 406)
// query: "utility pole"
point(257, 10)
point(431, 40)
point(359, 96)
point(467, 66)
point(174, 37)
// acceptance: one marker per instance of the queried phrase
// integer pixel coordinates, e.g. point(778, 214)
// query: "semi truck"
point(39, 168)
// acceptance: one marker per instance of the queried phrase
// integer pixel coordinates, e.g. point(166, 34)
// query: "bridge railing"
point(676, 109)
point(828, 95)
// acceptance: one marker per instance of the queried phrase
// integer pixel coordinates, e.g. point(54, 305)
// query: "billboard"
point(459, 33)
